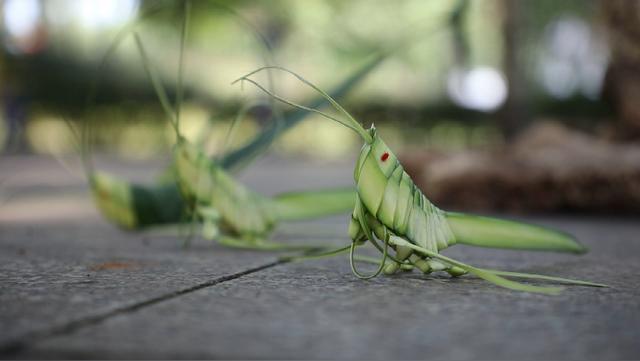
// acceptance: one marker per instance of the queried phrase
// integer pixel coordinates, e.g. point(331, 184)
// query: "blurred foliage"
point(409, 96)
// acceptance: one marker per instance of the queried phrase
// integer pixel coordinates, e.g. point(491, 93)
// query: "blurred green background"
point(492, 105)
point(470, 82)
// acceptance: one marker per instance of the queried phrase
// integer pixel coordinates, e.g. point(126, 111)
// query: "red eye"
point(384, 157)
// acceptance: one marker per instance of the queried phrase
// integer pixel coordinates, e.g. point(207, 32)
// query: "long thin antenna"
point(350, 123)
point(231, 132)
point(183, 36)
point(157, 84)
point(120, 36)
point(266, 51)
point(238, 158)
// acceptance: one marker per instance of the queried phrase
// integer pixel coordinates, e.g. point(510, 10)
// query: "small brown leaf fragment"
point(113, 266)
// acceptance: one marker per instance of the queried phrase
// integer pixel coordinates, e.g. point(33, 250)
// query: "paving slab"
point(51, 276)
point(320, 310)
point(63, 266)
point(72, 286)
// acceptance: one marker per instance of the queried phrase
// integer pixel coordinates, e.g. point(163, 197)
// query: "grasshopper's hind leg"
point(402, 254)
point(420, 263)
point(456, 271)
point(427, 266)
point(490, 276)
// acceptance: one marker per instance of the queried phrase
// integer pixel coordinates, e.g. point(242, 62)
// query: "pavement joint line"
point(21, 343)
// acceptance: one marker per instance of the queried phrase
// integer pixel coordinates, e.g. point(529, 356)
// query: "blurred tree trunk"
point(513, 115)
point(622, 84)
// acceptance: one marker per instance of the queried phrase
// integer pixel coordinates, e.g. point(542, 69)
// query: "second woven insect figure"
point(230, 212)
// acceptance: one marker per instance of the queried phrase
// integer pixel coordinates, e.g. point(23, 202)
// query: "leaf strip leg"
point(546, 278)
point(486, 275)
point(262, 245)
point(317, 255)
point(380, 267)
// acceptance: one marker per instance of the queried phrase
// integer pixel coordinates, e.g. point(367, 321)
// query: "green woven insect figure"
point(219, 201)
point(392, 209)
point(133, 206)
point(230, 212)
point(136, 206)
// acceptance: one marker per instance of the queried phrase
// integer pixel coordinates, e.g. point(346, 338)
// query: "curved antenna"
point(85, 147)
point(237, 158)
point(81, 142)
point(157, 84)
point(78, 144)
point(155, 78)
point(86, 131)
point(183, 35)
point(354, 125)
point(266, 51)
point(231, 132)
point(120, 36)
point(350, 123)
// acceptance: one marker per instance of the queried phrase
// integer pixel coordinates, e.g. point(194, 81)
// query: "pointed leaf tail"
point(307, 205)
point(498, 233)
